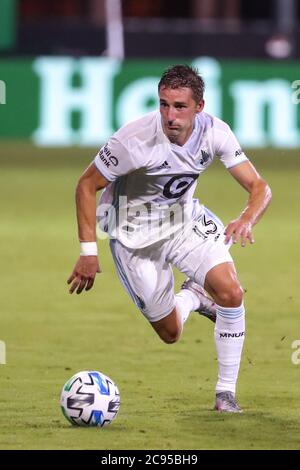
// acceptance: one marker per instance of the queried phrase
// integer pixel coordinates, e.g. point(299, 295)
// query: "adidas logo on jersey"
point(164, 166)
point(238, 152)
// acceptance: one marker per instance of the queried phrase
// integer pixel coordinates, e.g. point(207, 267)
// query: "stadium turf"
point(167, 391)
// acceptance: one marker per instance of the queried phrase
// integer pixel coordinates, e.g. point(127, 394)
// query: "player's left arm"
point(259, 198)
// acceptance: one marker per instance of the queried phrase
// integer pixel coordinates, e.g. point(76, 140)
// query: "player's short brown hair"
point(179, 76)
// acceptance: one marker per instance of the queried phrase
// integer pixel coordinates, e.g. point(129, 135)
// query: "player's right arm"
point(86, 267)
point(111, 162)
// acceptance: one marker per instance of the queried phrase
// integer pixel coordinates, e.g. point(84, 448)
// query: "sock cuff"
point(189, 297)
point(231, 313)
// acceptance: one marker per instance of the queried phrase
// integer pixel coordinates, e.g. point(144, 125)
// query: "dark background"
point(157, 28)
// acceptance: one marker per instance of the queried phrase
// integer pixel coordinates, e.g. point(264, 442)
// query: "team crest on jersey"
point(205, 157)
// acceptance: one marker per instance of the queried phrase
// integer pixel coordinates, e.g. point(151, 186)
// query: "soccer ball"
point(90, 398)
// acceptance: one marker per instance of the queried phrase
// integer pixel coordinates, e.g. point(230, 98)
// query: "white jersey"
point(152, 181)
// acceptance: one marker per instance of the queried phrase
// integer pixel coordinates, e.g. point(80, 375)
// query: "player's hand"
point(84, 273)
point(239, 229)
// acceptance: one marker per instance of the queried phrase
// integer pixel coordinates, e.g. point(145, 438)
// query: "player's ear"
point(200, 106)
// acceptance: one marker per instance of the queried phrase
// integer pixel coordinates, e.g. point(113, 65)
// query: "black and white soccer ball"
point(90, 398)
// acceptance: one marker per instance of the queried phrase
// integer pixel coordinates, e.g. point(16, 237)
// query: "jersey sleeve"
point(114, 160)
point(228, 148)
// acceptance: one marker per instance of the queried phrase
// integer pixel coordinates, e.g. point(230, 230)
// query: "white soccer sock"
point(229, 339)
point(186, 302)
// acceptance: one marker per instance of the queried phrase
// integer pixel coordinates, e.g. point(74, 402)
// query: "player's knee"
point(169, 335)
point(232, 296)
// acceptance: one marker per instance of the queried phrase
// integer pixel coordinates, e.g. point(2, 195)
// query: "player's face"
point(178, 109)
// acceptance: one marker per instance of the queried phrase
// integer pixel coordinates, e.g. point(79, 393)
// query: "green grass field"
point(167, 391)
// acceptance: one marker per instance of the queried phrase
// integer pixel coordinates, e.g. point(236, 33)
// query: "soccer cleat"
point(207, 306)
point(225, 401)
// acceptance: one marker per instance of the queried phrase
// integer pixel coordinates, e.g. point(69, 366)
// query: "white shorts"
point(147, 274)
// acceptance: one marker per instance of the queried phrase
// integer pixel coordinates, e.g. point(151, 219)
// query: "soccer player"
point(149, 169)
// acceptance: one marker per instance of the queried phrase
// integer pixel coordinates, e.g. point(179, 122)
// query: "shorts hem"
point(200, 278)
point(160, 316)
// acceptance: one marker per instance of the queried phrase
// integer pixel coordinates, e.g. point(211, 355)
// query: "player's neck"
point(180, 139)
